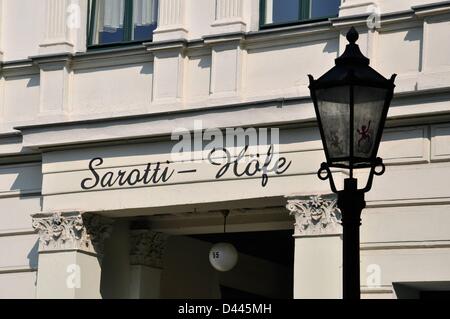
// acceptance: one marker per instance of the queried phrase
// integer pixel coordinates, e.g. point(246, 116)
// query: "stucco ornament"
point(72, 231)
point(315, 215)
point(147, 248)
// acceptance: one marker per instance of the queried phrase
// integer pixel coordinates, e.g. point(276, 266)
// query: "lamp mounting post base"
point(351, 203)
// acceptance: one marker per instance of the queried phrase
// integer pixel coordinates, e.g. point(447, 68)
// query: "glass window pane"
point(116, 21)
point(324, 8)
point(282, 11)
point(108, 17)
point(145, 13)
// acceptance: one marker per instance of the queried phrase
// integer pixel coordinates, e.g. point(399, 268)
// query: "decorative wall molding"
point(147, 248)
point(72, 231)
point(315, 215)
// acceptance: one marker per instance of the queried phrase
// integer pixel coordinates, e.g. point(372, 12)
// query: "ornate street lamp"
point(351, 102)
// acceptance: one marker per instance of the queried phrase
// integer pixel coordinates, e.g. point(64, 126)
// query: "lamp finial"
point(352, 35)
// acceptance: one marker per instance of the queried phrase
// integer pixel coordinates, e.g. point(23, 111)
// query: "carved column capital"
point(315, 215)
point(72, 231)
point(147, 248)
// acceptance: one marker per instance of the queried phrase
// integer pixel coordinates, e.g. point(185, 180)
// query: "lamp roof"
point(352, 68)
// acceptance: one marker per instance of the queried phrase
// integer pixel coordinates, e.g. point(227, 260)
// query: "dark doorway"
point(275, 247)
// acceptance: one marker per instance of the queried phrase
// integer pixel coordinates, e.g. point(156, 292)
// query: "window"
point(275, 12)
point(118, 21)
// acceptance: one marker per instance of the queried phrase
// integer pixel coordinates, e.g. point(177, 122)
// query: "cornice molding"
point(66, 231)
point(34, 139)
point(41, 136)
point(166, 45)
point(235, 37)
point(432, 9)
point(18, 68)
point(57, 58)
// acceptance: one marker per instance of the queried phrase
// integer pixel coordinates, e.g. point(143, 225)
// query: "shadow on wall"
point(147, 69)
point(28, 178)
point(204, 62)
point(33, 259)
point(34, 81)
point(416, 35)
point(33, 256)
point(28, 181)
point(330, 47)
point(115, 278)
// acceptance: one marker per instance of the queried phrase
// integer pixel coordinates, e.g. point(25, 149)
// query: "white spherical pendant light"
point(223, 257)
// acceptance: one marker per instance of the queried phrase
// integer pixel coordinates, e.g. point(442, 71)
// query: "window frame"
point(303, 16)
point(127, 27)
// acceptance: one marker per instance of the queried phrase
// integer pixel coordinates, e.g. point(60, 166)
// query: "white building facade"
point(97, 201)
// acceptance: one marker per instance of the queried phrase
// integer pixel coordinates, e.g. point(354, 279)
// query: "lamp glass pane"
point(334, 111)
point(368, 110)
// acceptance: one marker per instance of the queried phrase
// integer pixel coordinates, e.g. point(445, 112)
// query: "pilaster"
point(70, 254)
point(229, 17)
point(146, 263)
point(318, 247)
point(171, 20)
point(58, 37)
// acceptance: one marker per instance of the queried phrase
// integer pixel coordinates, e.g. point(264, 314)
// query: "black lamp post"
point(351, 102)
